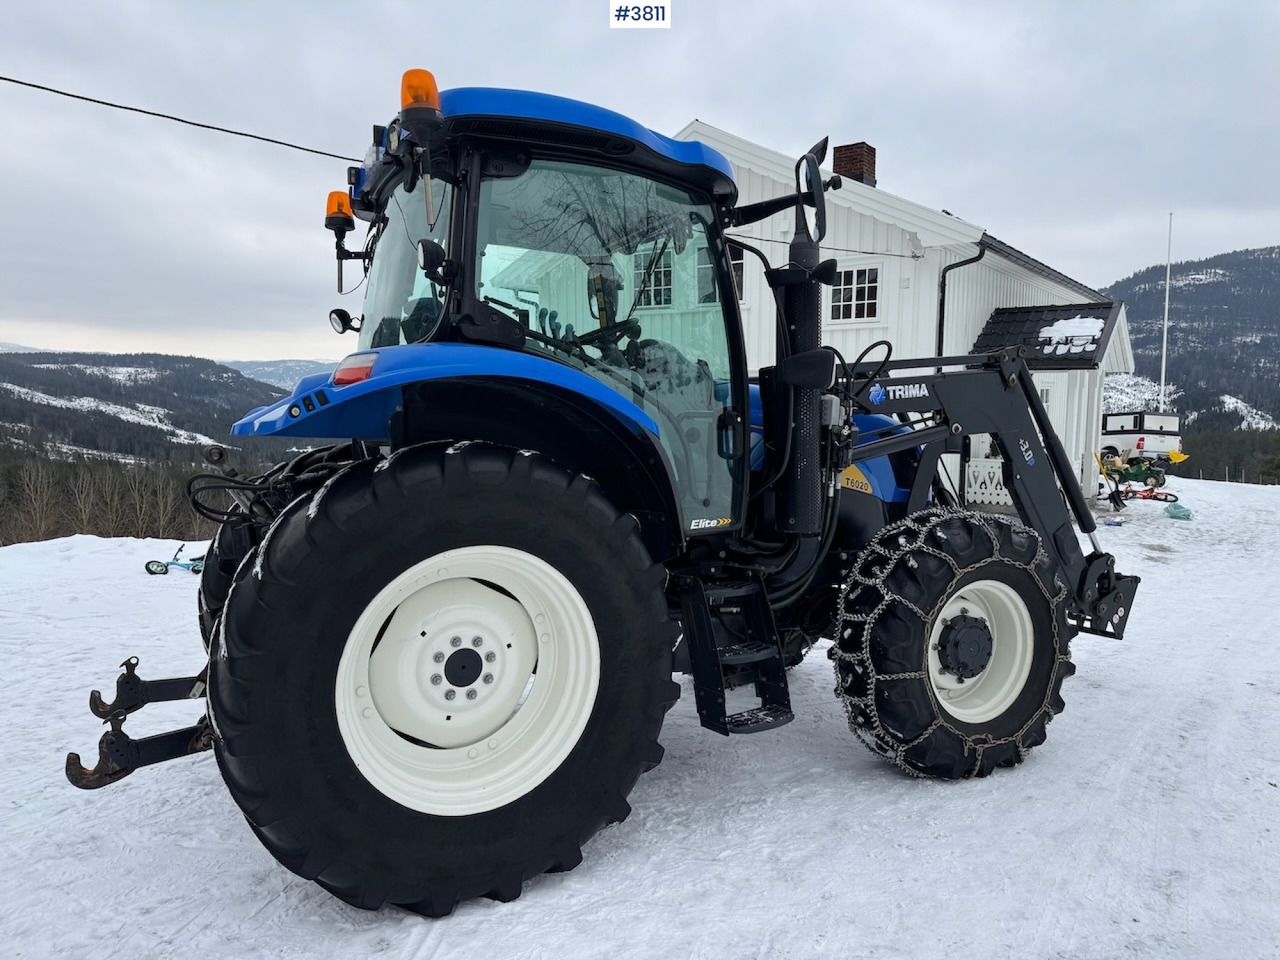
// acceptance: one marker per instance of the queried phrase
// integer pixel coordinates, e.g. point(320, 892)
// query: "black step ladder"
point(710, 652)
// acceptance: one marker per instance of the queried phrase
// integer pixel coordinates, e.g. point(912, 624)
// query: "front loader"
point(441, 644)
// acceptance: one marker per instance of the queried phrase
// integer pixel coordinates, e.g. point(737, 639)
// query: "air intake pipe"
point(802, 502)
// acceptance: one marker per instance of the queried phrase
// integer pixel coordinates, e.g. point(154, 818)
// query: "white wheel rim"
point(494, 740)
point(989, 694)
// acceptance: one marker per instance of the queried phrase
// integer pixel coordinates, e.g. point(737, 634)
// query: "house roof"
point(932, 227)
point(1074, 336)
point(1014, 255)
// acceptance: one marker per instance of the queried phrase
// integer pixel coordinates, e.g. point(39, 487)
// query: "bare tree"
point(170, 518)
point(38, 501)
point(138, 502)
point(81, 502)
point(110, 497)
point(8, 524)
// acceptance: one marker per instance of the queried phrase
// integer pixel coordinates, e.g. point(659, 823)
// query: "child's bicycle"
point(157, 567)
point(1149, 471)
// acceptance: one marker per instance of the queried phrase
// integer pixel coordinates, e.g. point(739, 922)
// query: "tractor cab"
point(592, 244)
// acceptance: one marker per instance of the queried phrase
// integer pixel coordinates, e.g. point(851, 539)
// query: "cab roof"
point(540, 117)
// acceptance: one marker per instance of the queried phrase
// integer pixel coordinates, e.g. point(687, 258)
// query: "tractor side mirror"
point(813, 369)
point(819, 151)
point(342, 321)
point(813, 183)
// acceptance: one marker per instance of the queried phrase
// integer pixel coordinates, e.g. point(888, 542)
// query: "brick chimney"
point(856, 161)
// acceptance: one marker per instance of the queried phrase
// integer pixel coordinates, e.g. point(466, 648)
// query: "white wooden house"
point(931, 284)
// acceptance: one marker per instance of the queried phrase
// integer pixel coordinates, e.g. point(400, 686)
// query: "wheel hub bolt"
point(450, 693)
point(438, 657)
point(455, 642)
point(436, 679)
point(471, 694)
point(477, 641)
point(490, 657)
point(488, 678)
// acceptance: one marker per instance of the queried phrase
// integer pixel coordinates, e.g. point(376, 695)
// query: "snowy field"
point(1147, 826)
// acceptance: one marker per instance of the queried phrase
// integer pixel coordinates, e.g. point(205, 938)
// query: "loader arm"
point(996, 395)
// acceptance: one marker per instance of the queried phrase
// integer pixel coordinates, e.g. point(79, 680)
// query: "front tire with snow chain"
point(953, 643)
point(439, 677)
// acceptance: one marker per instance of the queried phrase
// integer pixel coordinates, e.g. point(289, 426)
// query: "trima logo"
point(1026, 452)
point(897, 391)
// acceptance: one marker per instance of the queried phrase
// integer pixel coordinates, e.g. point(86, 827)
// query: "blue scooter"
point(157, 567)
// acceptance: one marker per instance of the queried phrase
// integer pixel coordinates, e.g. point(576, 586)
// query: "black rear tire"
point(291, 629)
point(157, 567)
point(227, 550)
point(906, 698)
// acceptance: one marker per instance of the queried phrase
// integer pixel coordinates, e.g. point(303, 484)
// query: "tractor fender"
point(575, 430)
point(421, 393)
point(363, 410)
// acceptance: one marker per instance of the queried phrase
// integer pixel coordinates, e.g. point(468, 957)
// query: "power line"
point(166, 116)
point(825, 249)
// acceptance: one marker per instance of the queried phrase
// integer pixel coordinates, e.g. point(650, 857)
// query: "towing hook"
point(119, 755)
point(112, 749)
point(127, 691)
point(132, 692)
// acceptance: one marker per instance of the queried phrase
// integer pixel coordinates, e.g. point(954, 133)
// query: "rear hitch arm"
point(119, 754)
point(132, 692)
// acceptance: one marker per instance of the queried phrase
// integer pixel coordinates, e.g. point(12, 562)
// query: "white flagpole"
point(1164, 340)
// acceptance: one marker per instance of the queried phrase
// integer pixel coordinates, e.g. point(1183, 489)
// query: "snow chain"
point(873, 565)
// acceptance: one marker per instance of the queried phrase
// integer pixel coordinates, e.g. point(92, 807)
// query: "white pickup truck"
point(1150, 435)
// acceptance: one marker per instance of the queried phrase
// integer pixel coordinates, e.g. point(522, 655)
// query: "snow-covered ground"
point(1148, 825)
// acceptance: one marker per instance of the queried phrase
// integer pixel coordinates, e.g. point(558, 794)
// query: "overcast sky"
point(1068, 129)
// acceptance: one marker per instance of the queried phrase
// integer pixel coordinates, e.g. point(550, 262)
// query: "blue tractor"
point(441, 645)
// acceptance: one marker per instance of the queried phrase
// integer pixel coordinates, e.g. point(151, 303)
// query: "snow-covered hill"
point(1147, 826)
point(139, 407)
point(1123, 392)
point(1251, 418)
point(1129, 392)
point(139, 413)
point(1224, 328)
point(281, 373)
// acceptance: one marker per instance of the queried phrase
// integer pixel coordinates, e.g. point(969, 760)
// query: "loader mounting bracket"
point(1105, 597)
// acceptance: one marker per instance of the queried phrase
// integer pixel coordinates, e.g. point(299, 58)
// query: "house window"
point(708, 292)
point(657, 292)
point(736, 257)
point(855, 294)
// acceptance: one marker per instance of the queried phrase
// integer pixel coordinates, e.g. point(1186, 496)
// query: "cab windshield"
point(400, 304)
point(622, 277)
